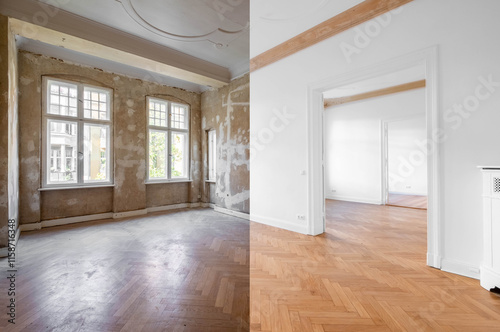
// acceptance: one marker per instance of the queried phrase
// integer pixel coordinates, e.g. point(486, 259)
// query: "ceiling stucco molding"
point(201, 20)
point(92, 31)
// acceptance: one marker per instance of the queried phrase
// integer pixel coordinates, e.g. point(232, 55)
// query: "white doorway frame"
point(315, 126)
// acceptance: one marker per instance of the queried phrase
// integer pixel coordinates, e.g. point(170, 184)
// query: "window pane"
point(62, 147)
point(157, 153)
point(157, 113)
point(95, 153)
point(179, 156)
point(96, 104)
point(178, 116)
point(61, 94)
point(212, 156)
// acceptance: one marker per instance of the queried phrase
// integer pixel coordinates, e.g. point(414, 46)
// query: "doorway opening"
point(404, 162)
point(425, 59)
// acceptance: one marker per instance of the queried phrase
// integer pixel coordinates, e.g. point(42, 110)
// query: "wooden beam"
point(350, 18)
point(329, 102)
point(56, 38)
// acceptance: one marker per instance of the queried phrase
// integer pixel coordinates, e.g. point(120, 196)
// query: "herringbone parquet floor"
point(177, 271)
point(366, 273)
point(410, 201)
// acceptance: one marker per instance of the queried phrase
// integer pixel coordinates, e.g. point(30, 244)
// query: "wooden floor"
point(410, 201)
point(180, 271)
point(366, 273)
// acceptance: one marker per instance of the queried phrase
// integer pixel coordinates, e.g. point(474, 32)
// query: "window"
point(168, 137)
point(212, 155)
point(77, 134)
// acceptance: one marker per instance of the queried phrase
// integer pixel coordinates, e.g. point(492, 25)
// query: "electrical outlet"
point(408, 187)
point(301, 217)
point(334, 190)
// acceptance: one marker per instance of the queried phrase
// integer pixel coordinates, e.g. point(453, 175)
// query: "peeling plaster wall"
point(227, 111)
point(175, 193)
point(75, 202)
point(129, 143)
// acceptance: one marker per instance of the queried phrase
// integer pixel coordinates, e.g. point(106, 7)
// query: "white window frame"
point(212, 155)
point(168, 130)
point(81, 122)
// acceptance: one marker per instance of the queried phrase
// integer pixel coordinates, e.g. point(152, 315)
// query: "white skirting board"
point(460, 268)
point(354, 199)
point(489, 278)
point(176, 207)
point(120, 215)
point(298, 228)
point(237, 214)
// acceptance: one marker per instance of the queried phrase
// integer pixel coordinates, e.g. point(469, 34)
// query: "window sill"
point(76, 187)
point(210, 181)
point(168, 181)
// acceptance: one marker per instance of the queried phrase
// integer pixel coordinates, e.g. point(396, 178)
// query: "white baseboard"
point(175, 207)
point(433, 261)
point(207, 205)
point(30, 227)
point(460, 268)
point(489, 278)
point(126, 214)
point(407, 193)
point(118, 215)
point(237, 214)
point(354, 199)
point(280, 224)
point(74, 220)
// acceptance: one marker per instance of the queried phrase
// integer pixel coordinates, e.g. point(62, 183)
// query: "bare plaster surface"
point(130, 190)
point(227, 111)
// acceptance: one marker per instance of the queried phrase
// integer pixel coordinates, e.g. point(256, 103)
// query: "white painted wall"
point(353, 144)
point(466, 33)
point(406, 159)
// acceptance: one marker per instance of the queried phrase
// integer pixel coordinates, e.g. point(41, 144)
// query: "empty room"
point(237, 165)
point(127, 140)
point(357, 263)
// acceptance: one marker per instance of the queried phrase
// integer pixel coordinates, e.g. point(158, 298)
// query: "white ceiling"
point(196, 27)
point(408, 75)
point(198, 35)
point(288, 18)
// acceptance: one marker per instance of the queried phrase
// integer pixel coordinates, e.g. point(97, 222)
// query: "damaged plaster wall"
point(227, 111)
point(9, 158)
point(130, 191)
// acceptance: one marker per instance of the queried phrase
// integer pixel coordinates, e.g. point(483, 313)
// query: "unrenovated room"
point(125, 134)
point(249, 165)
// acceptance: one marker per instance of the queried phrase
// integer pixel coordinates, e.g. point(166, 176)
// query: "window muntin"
point(168, 140)
point(78, 131)
point(212, 155)
point(62, 99)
